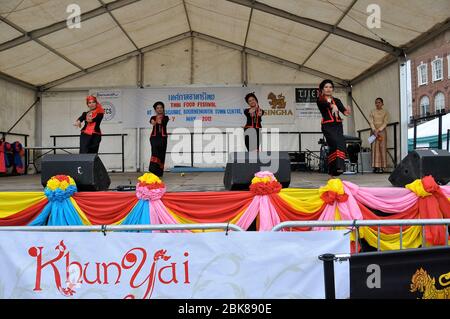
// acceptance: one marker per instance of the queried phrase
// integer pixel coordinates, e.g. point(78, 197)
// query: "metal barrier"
point(122, 152)
point(417, 120)
point(448, 140)
point(356, 224)
point(106, 228)
point(227, 147)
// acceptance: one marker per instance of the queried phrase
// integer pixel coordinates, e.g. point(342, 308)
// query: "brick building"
point(430, 77)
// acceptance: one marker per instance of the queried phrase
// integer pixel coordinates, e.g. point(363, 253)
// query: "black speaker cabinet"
point(242, 166)
point(87, 170)
point(420, 163)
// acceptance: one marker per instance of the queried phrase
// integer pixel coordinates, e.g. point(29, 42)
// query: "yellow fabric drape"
point(303, 200)
point(14, 202)
point(182, 220)
point(417, 188)
point(412, 238)
point(82, 215)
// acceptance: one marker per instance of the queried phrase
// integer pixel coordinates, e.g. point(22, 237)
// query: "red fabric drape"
point(287, 213)
point(24, 217)
point(103, 208)
point(435, 206)
point(208, 207)
point(412, 213)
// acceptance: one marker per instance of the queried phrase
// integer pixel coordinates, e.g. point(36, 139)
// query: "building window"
point(422, 74)
point(448, 66)
point(439, 102)
point(437, 69)
point(424, 106)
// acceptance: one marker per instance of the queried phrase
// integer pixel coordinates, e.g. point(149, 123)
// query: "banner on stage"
point(278, 104)
point(408, 274)
point(177, 265)
point(111, 100)
point(305, 101)
point(219, 107)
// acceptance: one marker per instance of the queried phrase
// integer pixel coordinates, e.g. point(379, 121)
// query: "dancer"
point(91, 135)
point(332, 128)
point(254, 117)
point(158, 139)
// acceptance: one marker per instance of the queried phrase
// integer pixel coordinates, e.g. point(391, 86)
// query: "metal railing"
point(227, 148)
point(417, 120)
point(122, 152)
point(356, 224)
point(394, 125)
point(448, 140)
point(109, 228)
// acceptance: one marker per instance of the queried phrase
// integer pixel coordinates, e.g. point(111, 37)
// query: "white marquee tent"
point(153, 43)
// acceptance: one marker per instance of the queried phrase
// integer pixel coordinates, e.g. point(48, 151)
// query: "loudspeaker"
point(87, 170)
point(242, 166)
point(298, 161)
point(420, 163)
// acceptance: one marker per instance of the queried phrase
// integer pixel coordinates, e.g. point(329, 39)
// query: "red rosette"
point(152, 185)
point(63, 178)
point(332, 197)
point(272, 187)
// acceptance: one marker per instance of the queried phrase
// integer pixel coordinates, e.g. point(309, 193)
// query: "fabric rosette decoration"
point(60, 187)
point(340, 205)
point(60, 209)
point(150, 209)
point(333, 192)
point(265, 183)
point(150, 187)
point(263, 186)
point(433, 204)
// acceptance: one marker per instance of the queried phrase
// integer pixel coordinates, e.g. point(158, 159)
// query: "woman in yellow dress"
point(378, 122)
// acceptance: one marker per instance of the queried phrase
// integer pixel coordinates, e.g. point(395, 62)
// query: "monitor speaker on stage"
point(87, 170)
point(420, 163)
point(242, 166)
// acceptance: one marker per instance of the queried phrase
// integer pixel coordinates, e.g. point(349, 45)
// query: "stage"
point(199, 181)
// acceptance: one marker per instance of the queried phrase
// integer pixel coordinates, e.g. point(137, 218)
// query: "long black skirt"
point(252, 138)
point(159, 147)
point(90, 143)
point(334, 135)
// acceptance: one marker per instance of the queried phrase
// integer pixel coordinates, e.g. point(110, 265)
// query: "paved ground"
point(199, 181)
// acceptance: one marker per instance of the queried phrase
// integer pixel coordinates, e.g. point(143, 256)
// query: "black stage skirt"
point(90, 143)
point(250, 134)
point(334, 135)
point(159, 147)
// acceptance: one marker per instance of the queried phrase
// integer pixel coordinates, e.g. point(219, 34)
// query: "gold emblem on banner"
point(277, 102)
point(422, 282)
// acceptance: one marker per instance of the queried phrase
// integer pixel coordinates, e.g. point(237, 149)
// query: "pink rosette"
point(150, 191)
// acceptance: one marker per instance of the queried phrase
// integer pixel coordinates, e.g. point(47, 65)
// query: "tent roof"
point(322, 37)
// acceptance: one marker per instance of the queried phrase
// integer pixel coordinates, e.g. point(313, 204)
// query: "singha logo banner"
point(146, 265)
point(412, 274)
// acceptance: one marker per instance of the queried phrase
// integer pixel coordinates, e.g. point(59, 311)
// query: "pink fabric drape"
point(268, 216)
point(160, 216)
point(389, 200)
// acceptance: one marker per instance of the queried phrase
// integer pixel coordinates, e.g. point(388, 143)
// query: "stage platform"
point(199, 181)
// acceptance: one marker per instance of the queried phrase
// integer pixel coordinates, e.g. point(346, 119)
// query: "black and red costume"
point(333, 131)
point(91, 134)
point(158, 142)
point(253, 123)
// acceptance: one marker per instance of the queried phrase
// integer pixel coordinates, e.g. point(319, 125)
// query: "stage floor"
point(199, 181)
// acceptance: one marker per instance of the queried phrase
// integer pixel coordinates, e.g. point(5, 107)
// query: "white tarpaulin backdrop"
point(213, 106)
point(146, 265)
